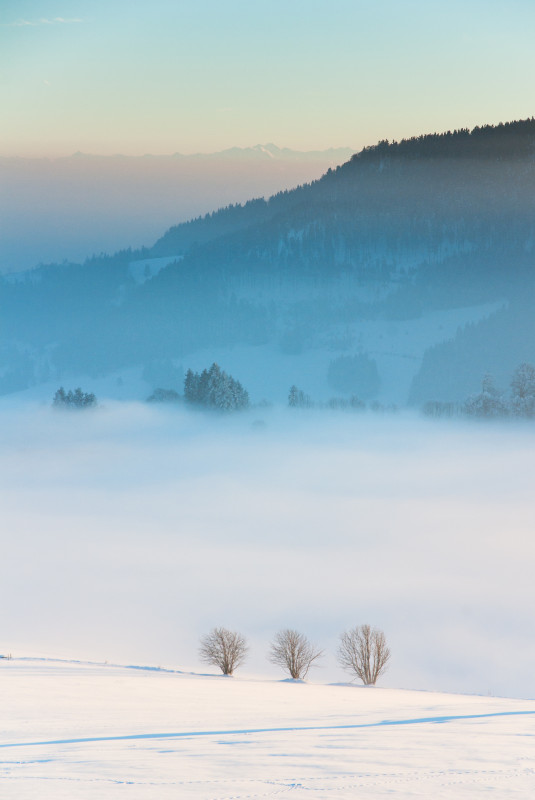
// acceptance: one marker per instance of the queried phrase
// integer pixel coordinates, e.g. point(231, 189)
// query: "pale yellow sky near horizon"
point(173, 76)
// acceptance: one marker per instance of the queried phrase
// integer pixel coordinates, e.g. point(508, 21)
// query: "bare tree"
point(224, 649)
point(363, 651)
point(293, 652)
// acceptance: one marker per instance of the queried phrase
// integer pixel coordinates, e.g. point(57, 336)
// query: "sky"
point(179, 76)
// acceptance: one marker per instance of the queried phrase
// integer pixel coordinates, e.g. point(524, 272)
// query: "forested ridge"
point(438, 221)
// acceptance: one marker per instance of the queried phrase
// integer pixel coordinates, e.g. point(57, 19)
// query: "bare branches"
point(293, 652)
point(224, 649)
point(363, 651)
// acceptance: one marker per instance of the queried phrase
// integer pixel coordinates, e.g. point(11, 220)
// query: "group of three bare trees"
point(362, 651)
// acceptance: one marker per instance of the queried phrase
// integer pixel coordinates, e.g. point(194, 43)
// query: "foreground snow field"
point(75, 730)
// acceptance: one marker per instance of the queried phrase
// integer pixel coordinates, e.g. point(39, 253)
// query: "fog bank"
point(72, 208)
point(129, 531)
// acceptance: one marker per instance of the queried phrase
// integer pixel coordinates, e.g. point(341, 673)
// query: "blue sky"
point(160, 77)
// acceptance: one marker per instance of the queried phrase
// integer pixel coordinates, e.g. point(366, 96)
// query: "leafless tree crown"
point(363, 651)
point(293, 652)
point(224, 649)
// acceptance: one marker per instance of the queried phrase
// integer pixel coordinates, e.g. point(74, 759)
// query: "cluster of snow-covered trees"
point(297, 398)
point(73, 399)
point(213, 388)
point(362, 651)
point(490, 402)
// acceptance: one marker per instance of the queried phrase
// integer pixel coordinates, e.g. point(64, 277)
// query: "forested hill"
point(507, 140)
point(404, 230)
point(453, 173)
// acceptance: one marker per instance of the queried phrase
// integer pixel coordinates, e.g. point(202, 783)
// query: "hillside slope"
point(436, 224)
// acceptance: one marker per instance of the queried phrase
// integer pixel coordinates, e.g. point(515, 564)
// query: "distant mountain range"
point(403, 275)
point(260, 152)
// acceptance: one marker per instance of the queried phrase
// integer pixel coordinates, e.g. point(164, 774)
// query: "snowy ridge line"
point(297, 728)
point(79, 662)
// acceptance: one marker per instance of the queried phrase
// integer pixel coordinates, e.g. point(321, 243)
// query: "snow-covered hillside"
point(75, 730)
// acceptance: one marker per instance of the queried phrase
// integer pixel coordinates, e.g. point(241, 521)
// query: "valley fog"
point(129, 531)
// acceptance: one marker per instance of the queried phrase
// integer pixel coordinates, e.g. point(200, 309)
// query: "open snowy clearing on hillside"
point(397, 347)
point(74, 730)
point(267, 373)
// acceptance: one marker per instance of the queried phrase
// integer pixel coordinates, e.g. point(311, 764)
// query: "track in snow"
point(297, 728)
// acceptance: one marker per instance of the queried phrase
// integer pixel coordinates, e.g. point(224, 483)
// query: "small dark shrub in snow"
point(164, 396)
point(342, 404)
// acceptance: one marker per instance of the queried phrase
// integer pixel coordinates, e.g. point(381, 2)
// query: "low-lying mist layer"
point(129, 531)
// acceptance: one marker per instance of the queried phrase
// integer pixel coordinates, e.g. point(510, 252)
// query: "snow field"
point(99, 731)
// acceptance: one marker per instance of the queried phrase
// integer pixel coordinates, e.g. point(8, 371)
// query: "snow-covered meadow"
point(101, 731)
